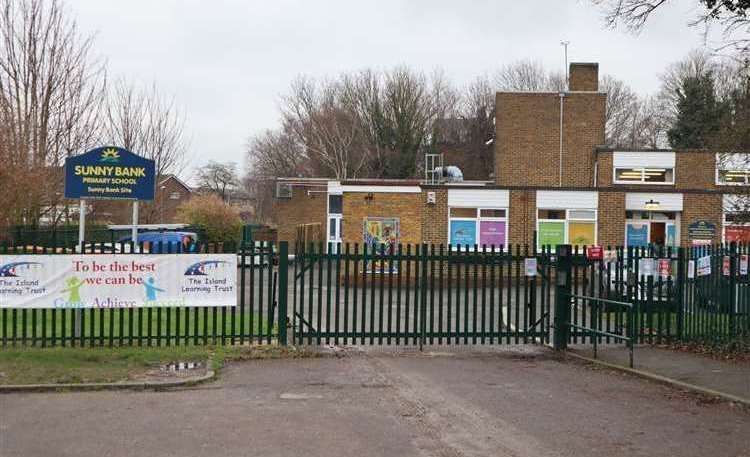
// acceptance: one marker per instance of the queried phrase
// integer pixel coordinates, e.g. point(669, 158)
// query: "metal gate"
point(415, 295)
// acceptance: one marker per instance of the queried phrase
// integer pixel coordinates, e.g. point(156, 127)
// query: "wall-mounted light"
point(652, 205)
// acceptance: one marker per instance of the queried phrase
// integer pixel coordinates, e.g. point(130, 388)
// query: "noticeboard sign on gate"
point(117, 281)
point(109, 173)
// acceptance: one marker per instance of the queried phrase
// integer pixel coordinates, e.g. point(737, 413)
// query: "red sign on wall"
point(738, 233)
point(595, 253)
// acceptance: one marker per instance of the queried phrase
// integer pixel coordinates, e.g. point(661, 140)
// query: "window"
point(335, 204)
point(732, 177)
point(174, 196)
point(478, 226)
point(283, 190)
point(644, 175)
point(573, 226)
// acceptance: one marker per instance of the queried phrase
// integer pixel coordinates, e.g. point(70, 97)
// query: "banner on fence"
point(117, 281)
point(704, 266)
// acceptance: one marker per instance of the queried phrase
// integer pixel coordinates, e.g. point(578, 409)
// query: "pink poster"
point(492, 233)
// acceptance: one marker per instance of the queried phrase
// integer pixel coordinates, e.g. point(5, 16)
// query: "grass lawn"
point(79, 365)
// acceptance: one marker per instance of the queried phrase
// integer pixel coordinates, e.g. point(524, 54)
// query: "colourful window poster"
point(463, 232)
point(381, 233)
point(582, 233)
point(636, 234)
point(671, 235)
point(492, 233)
point(551, 233)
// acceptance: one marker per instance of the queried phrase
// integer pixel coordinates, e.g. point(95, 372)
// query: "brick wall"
point(583, 76)
point(300, 209)
point(527, 147)
point(407, 207)
point(522, 220)
point(700, 207)
point(611, 219)
point(695, 170)
point(435, 217)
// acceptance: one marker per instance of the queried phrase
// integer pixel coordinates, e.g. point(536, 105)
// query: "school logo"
point(12, 270)
point(110, 156)
point(201, 268)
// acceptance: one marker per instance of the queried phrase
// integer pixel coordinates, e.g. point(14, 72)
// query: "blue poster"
point(637, 234)
point(671, 235)
point(463, 232)
point(109, 173)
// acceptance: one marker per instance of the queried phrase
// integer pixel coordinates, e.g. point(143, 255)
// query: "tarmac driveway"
point(383, 404)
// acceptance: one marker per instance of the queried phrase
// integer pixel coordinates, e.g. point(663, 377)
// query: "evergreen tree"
point(699, 113)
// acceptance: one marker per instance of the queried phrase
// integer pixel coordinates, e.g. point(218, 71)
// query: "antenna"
point(565, 44)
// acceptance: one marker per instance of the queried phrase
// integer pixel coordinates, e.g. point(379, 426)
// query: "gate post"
point(562, 297)
point(282, 289)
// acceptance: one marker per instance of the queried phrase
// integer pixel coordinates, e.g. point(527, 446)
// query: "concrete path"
point(732, 378)
point(384, 404)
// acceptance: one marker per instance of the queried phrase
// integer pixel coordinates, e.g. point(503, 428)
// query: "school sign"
point(111, 173)
point(117, 281)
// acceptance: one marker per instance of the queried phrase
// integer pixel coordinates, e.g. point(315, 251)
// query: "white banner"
point(117, 281)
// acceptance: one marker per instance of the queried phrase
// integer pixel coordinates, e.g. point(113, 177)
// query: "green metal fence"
point(259, 316)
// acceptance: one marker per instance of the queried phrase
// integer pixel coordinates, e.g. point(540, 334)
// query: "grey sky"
point(226, 62)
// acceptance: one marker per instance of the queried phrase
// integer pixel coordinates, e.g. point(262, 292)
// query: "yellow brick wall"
point(405, 206)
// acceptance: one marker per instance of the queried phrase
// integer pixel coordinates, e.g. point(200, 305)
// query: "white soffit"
point(478, 198)
point(382, 189)
point(567, 199)
point(666, 202)
point(335, 188)
point(634, 159)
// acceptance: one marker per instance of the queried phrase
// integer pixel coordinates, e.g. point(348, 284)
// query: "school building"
point(554, 181)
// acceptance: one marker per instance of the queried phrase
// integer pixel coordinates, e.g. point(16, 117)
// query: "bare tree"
point(528, 75)
point(145, 122)
point(219, 178)
point(148, 124)
point(621, 113)
point(50, 91)
point(731, 15)
point(319, 118)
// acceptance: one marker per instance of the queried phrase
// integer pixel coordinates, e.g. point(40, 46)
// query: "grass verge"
point(96, 365)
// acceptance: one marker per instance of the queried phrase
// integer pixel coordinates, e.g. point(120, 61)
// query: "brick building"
point(555, 181)
point(170, 193)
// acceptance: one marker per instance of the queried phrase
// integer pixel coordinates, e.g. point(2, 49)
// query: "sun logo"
point(110, 155)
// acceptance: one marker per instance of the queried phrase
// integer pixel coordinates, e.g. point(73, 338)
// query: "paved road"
point(381, 404)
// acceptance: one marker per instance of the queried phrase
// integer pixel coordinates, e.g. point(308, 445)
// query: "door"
point(658, 234)
point(334, 232)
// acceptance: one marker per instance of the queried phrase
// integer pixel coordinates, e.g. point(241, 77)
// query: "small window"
point(464, 212)
point(491, 213)
point(335, 204)
point(175, 196)
point(283, 190)
point(582, 215)
point(629, 175)
point(551, 214)
point(658, 175)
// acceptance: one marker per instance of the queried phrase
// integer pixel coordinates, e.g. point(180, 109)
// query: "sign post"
point(107, 173)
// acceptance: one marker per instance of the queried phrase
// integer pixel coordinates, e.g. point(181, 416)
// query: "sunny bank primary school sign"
point(109, 172)
point(117, 281)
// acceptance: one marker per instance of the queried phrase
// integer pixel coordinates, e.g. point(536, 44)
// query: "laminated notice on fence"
point(646, 267)
point(691, 269)
point(726, 265)
point(529, 264)
point(117, 281)
point(704, 266)
point(743, 264)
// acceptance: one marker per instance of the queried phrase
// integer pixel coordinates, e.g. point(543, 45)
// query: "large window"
point(478, 226)
point(572, 226)
point(644, 175)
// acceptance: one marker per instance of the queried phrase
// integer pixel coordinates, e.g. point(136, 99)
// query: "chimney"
point(583, 77)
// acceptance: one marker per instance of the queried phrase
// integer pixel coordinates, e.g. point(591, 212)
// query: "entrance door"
point(334, 232)
point(658, 234)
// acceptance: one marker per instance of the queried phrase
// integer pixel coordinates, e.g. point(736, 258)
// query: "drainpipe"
point(562, 97)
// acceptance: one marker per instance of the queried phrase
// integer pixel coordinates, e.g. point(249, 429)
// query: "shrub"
point(219, 220)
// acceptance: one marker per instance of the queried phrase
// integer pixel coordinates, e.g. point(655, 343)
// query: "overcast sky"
point(226, 62)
